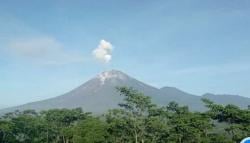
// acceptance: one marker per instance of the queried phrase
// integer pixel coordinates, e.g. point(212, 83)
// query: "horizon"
point(48, 48)
point(116, 70)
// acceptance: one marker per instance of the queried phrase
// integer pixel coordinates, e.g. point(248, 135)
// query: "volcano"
point(99, 95)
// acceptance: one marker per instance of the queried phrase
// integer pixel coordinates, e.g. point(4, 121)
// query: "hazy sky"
point(47, 47)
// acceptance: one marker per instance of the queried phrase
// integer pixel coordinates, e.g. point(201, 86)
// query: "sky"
point(49, 47)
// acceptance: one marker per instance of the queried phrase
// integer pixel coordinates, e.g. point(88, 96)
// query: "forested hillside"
point(136, 120)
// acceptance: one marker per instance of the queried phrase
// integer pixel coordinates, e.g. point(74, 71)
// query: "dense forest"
point(136, 120)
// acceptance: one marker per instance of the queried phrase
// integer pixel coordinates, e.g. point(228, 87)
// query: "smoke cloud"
point(103, 52)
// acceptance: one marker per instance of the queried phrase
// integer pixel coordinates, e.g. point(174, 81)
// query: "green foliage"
point(238, 120)
point(137, 120)
point(90, 130)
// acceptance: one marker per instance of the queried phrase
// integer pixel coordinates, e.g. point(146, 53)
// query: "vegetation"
point(137, 120)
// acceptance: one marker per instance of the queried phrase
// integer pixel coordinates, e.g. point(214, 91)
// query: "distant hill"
point(223, 99)
point(98, 95)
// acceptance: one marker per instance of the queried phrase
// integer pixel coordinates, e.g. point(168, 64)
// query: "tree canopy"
point(135, 120)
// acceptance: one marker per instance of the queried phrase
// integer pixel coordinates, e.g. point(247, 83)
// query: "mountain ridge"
point(98, 95)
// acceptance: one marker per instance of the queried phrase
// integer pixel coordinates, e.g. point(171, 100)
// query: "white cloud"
point(103, 52)
point(45, 50)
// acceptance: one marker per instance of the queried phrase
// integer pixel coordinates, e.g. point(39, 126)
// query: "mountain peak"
point(112, 74)
point(98, 95)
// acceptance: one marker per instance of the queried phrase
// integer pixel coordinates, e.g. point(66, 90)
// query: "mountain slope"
point(183, 98)
point(240, 101)
point(98, 95)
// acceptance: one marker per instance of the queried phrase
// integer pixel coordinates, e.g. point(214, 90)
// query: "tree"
point(90, 130)
point(187, 126)
point(238, 120)
point(134, 111)
point(136, 120)
point(5, 131)
point(60, 122)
